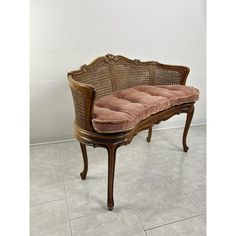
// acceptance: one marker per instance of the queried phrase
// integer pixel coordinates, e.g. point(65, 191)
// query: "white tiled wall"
point(67, 34)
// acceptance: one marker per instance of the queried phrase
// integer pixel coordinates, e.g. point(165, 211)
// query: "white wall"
point(68, 33)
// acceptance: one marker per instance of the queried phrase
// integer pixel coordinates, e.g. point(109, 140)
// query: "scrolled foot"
point(185, 148)
point(83, 175)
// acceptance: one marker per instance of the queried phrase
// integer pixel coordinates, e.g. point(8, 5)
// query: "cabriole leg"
point(149, 135)
point(111, 172)
point(186, 128)
point(83, 174)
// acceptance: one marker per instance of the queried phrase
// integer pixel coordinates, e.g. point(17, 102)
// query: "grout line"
point(54, 142)
point(184, 194)
point(41, 203)
point(160, 165)
point(136, 214)
point(194, 203)
point(84, 216)
point(72, 140)
point(65, 195)
point(202, 168)
point(174, 222)
point(99, 212)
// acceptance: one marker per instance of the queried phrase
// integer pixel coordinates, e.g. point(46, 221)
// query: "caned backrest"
point(111, 73)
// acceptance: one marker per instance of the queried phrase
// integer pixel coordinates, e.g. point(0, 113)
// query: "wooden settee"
point(115, 98)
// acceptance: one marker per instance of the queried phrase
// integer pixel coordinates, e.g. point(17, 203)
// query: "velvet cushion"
point(122, 110)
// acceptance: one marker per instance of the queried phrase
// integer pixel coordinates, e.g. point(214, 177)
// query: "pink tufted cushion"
point(122, 110)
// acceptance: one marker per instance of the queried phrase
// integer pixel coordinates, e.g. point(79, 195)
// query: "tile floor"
point(159, 189)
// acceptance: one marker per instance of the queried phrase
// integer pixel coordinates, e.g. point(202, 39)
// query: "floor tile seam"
point(37, 157)
point(67, 209)
point(135, 214)
point(55, 153)
point(160, 165)
point(184, 194)
point(42, 203)
point(67, 178)
point(202, 168)
point(194, 191)
point(93, 214)
point(190, 199)
point(71, 155)
point(173, 222)
point(176, 197)
point(84, 216)
point(91, 175)
point(102, 211)
point(53, 181)
point(201, 175)
point(77, 178)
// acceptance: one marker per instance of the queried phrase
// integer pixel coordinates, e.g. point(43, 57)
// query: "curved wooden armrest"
point(84, 96)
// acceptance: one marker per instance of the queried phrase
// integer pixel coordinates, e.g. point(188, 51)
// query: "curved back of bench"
point(111, 73)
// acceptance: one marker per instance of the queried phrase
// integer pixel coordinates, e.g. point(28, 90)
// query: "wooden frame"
point(84, 131)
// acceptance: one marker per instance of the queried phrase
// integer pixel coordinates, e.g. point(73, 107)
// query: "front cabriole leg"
point(111, 172)
point(83, 174)
point(186, 128)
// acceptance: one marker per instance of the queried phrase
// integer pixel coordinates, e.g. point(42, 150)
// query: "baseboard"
point(154, 129)
point(176, 126)
point(54, 142)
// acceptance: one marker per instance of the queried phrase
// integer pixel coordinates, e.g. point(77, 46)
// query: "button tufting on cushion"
point(122, 110)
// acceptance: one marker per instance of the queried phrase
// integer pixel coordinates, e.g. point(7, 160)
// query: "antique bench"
point(115, 98)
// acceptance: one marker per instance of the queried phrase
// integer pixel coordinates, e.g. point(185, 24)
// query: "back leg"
point(149, 135)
